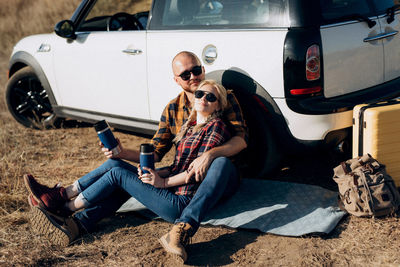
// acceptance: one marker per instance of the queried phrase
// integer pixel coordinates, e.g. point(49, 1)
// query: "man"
point(213, 168)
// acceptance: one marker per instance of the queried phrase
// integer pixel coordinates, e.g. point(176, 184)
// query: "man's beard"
point(193, 87)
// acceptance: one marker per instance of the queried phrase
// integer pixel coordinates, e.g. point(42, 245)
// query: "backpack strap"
point(345, 167)
point(365, 159)
point(370, 201)
point(340, 203)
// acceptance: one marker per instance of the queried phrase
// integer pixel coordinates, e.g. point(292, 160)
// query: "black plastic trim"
point(304, 13)
point(81, 11)
point(297, 41)
point(22, 59)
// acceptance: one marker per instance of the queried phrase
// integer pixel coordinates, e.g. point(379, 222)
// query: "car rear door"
point(224, 34)
point(389, 19)
point(352, 59)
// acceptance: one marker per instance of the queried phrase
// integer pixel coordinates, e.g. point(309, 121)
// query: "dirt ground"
point(129, 239)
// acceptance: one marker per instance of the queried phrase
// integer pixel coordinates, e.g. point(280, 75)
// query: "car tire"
point(28, 101)
point(263, 153)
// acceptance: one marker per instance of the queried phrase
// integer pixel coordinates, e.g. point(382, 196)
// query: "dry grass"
point(65, 154)
point(25, 17)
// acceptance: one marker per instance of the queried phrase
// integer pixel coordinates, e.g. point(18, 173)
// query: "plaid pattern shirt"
point(192, 145)
point(177, 112)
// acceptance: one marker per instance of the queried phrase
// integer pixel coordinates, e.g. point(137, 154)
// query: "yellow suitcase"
point(376, 130)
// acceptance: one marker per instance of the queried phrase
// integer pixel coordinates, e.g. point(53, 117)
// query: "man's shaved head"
point(184, 56)
point(185, 61)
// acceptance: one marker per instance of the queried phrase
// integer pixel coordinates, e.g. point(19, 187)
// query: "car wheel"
point(28, 101)
point(263, 153)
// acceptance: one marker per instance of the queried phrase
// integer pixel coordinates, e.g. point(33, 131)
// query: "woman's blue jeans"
point(115, 181)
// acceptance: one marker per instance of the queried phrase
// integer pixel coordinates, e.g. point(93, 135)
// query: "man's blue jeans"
point(115, 181)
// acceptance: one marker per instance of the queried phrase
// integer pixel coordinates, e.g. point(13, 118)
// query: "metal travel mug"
point(146, 157)
point(106, 136)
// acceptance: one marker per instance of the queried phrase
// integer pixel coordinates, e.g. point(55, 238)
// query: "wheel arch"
point(242, 84)
point(269, 135)
point(23, 59)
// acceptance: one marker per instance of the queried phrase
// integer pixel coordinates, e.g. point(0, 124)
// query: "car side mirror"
point(65, 29)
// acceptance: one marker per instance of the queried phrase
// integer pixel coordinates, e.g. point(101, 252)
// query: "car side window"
point(122, 15)
point(193, 14)
point(344, 10)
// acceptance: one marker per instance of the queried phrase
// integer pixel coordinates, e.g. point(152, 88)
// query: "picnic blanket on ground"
point(281, 208)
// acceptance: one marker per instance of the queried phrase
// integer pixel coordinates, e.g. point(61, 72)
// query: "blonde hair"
point(223, 103)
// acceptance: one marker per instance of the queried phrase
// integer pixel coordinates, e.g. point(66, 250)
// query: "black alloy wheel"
point(28, 101)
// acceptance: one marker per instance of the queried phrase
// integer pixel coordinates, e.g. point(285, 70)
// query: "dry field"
point(62, 155)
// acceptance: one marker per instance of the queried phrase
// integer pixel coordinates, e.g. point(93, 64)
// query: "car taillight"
point(313, 70)
point(306, 91)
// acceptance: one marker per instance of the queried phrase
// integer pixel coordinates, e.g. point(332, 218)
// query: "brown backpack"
point(365, 189)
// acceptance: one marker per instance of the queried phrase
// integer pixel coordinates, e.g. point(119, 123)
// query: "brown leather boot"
point(177, 239)
point(58, 230)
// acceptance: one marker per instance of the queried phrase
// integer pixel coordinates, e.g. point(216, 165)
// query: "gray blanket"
point(281, 208)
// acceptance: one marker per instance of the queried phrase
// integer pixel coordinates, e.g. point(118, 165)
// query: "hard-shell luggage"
point(376, 130)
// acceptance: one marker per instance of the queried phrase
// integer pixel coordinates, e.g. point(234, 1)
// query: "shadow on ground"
point(68, 124)
point(312, 168)
point(111, 224)
point(218, 252)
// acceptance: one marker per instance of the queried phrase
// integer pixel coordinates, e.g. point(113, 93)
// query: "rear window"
point(383, 5)
point(206, 14)
point(344, 10)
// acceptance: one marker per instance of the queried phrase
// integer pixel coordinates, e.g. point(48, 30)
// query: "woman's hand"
point(110, 154)
point(139, 170)
point(152, 178)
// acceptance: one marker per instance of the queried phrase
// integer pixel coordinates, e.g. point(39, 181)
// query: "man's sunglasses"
point(196, 70)
point(210, 97)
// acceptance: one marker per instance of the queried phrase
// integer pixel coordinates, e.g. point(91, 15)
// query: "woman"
point(164, 191)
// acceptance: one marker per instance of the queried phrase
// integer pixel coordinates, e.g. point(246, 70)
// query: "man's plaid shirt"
point(192, 145)
point(177, 112)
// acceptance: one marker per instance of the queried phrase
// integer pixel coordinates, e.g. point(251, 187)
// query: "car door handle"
point(132, 51)
point(380, 36)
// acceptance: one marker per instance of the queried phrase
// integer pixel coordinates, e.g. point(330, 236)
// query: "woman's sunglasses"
point(196, 70)
point(210, 97)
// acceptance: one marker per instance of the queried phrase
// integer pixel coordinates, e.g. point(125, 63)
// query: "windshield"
point(198, 14)
point(103, 10)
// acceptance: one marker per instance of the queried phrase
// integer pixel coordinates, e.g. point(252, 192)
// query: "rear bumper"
point(306, 127)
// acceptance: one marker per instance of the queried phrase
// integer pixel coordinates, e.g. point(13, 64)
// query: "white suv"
point(297, 67)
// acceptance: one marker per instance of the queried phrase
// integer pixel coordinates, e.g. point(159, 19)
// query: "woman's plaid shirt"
point(177, 112)
point(192, 145)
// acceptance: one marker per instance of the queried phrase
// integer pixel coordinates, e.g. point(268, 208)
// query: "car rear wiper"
point(390, 12)
point(361, 18)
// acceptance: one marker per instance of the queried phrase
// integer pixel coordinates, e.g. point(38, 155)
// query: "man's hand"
point(199, 167)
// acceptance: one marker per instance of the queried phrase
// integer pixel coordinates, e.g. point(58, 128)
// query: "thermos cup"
point(106, 136)
point(146, 157)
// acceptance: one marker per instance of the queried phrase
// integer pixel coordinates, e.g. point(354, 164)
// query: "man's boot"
point(58, 230)
point(177, 239)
